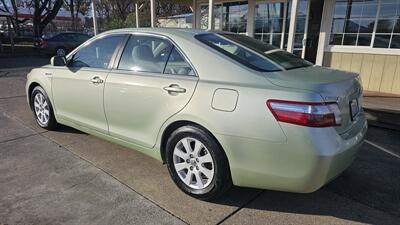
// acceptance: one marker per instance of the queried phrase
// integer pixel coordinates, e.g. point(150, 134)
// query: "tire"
point(42, 109)
point(210, 164)
point(60, 51)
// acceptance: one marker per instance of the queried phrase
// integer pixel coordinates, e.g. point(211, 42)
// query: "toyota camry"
point(219, 109)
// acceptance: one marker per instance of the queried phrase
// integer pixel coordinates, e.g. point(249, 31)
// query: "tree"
point(77, 7)
point(82, 7)
point(70, 6)
point(44, 12)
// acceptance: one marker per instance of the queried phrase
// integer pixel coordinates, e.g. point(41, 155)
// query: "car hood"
point(333, 86)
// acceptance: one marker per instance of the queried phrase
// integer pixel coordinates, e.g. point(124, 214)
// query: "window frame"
point(145, 73)
point(71, 55)
point(360, 49)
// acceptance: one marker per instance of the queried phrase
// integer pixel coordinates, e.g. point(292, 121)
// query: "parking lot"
point(68, 177)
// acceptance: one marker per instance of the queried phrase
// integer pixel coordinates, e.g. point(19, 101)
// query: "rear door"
point(152, 82)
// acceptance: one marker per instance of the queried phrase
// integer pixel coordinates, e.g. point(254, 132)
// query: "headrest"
point(142, 52)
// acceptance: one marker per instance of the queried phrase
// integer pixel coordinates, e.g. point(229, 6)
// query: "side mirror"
point(58, 61)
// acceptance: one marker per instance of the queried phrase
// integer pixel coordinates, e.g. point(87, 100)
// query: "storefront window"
point(269, 22)
point(234, 17)
point(272, 20)
point(229, 16)
point(204, 16)
point(373, 23)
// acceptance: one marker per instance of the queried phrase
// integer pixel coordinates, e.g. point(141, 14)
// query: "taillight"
point(308, 114)
point(43, 42)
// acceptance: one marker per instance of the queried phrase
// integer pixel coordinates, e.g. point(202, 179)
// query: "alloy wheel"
point(193, 163)
point(41, 108)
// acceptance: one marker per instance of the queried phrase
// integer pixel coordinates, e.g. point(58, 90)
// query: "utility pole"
point(94, 17)
point(152, 12)
point(211, 19)
point(137, 15)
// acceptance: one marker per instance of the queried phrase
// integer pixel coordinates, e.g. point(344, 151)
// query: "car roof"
point(171, 32)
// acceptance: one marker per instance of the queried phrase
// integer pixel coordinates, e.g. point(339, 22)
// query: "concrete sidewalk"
point(383, 111)
point(41, 182)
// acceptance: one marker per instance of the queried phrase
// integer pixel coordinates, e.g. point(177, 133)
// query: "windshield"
point(231, 45)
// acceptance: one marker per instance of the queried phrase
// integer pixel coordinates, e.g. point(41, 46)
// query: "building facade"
point(361, 36)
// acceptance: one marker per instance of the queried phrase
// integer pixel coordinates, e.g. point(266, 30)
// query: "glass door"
point(229, 16)
point(269, 22)
point(272, 20)
point(300, 37)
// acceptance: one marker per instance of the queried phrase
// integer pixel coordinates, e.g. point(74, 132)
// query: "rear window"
point(237, 52)
point(268, 59)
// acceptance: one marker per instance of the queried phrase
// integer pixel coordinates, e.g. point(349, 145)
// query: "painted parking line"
point(383, 149)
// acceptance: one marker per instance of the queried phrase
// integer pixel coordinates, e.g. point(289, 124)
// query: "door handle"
point(97, 80)
point(174, 88)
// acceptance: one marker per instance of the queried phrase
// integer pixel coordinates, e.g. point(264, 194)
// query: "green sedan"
point(220, 109)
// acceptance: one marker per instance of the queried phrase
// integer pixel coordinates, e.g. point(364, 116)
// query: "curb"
point(383, 118)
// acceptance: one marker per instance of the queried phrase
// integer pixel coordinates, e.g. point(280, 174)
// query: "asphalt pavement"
point(68, 177)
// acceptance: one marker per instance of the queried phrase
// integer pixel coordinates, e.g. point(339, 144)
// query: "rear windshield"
point(268, 59)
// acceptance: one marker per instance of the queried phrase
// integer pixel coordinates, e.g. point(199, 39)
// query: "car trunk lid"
point(333, 86)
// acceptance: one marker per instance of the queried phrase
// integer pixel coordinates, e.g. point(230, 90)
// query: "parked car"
point(60, 44)
point(218, 108)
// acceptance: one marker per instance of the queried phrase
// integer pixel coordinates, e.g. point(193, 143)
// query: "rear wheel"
point(42, 109)
point(60, 51)
point(197, 163)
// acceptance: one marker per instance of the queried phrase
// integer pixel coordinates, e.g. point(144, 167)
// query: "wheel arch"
point(180, 123)
point(30, 89)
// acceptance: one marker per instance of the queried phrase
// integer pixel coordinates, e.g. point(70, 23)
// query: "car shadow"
point(70, 130)
point(369, 187)
point(371, 183)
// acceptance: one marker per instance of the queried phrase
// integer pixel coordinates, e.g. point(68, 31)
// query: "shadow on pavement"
point(373, 180)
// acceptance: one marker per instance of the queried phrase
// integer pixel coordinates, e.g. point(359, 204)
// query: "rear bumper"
point(310, 158)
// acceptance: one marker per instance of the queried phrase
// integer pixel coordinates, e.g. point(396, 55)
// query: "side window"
point(82, 38)
point(145, 54)
point(70, 37)
point(177, 64)
point(60, 37)
point(98, 53)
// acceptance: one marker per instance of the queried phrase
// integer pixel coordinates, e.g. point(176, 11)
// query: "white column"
point(137, 15)
point(211, 19)
point(292, 26)
point(251, 17)
point(194, 15)
point(94, 14)
point(285, 11)
point(327, 15)
point(152, 12)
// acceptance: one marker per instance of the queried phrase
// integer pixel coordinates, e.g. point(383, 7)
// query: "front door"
point(153, 81)
point(78, 88)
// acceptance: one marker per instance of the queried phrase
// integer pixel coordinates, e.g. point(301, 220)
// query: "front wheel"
point(42, 109)
point(197, 163)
